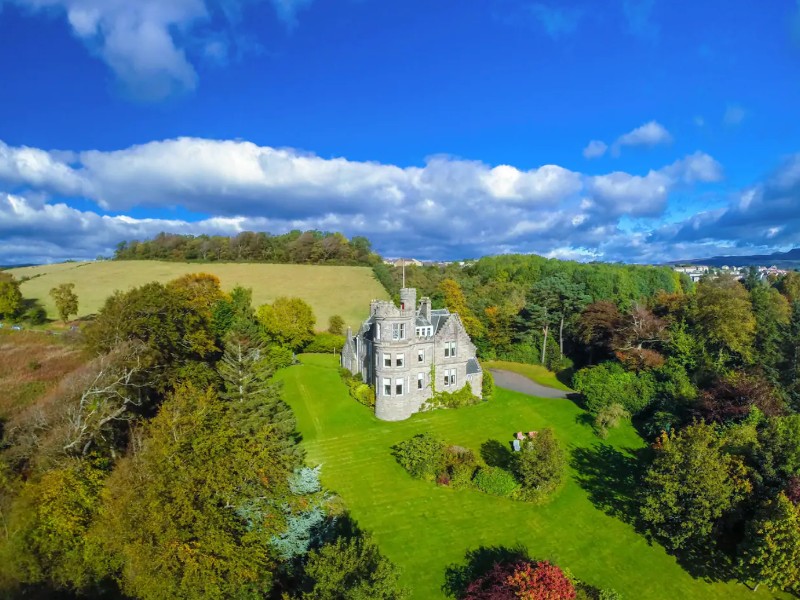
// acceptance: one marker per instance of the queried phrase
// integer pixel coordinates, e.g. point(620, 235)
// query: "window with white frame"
point(399, 360)
point(420, 355)
point(449, 349)
point(452, 376)
point(387, 360)
point(398, 331)
point(387, 386)
point(398, 387)
point(449, 377)
point(420, 381)
point(377, 331)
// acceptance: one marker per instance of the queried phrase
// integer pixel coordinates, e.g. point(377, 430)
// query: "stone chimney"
point(425, 307)
point(408, 299)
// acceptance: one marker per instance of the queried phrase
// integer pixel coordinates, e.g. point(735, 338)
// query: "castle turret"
point(408, 299)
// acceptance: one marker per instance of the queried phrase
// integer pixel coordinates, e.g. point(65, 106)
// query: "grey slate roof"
point(439, 318)
point(473, 367)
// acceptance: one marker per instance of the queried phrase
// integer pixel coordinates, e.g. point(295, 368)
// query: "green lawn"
point(320, 286)
point(425, 528)
point(536, 372)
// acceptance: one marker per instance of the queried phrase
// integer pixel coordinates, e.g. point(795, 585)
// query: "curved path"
point(519, 383)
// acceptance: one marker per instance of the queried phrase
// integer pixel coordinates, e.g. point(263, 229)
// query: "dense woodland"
point(708, 373)
point(300, 247)
point(168, 465)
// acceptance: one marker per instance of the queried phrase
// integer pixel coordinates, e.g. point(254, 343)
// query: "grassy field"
point(425, 528)
point(31, 364)
point(345, 291)
point(536, 372)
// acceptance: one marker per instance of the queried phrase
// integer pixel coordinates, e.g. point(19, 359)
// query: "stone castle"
point(398, 350)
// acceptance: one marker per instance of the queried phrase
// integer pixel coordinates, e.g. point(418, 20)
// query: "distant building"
point(399, 262)
point(400, 349)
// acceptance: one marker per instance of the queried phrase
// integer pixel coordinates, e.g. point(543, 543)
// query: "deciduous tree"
point(10, 297)
point(455, 300)
point(193, 512)
point(690, 485)
point(724, 316)
point(288, 322)
point(770, 552)
point(351, 569)
point(66, 300)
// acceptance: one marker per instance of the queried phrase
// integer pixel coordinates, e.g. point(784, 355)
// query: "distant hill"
point(782, 260)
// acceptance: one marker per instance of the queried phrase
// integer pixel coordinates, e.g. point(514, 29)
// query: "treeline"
point(526, 307)
point(301, 247)
point(170, 466)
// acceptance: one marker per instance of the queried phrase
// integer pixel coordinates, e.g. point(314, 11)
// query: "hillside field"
point(330, 290)
point(425, 528)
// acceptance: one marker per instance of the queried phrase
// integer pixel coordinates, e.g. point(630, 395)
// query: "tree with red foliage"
point(792, 490)
point(731, 399)
point(522, 580)
point(596, 327)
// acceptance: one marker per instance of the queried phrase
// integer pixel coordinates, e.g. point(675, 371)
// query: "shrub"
point(487, 387)
point(540, 465)
point(280, 357)
point(609, 417)
point(461, 475)
point(496, 481)
point(325, 343)
point(460, 463)
point(607, 383)
point(422, 456)
point(463, 397)
point(524, 579)
point(609, 595)
point(359, 391)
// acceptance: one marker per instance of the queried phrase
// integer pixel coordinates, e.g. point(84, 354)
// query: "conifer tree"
point(254, 397)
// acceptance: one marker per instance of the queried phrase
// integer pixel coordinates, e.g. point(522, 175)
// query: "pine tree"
point(254, 397)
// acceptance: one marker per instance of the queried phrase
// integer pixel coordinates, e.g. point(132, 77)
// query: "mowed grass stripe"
point(329, 290)
point(425, 528)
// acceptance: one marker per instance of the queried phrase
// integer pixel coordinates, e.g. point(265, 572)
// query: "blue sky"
point(626, 130)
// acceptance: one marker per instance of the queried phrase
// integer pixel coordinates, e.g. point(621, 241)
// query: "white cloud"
point(446, 207)
point(595, 149)
point(146, 43)
point(650, 134)
point(734, 115)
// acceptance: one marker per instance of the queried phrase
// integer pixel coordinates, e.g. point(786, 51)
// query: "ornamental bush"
point(422, 456)
point(524, 579)
point(496, 481)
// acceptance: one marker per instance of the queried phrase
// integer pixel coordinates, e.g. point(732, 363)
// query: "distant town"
point(696, 272)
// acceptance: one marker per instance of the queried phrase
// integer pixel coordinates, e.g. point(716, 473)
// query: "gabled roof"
point(473, 367)
point(439, 318)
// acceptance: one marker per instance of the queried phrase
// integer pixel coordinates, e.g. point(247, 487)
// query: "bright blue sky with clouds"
point(635, 130)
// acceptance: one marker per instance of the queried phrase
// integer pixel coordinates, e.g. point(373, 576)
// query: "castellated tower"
point(393, 339)
point(398, 350)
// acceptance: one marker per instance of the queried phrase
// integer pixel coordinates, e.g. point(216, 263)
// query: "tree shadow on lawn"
point(478, 562)
point(497, 454)
point(611, 477)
